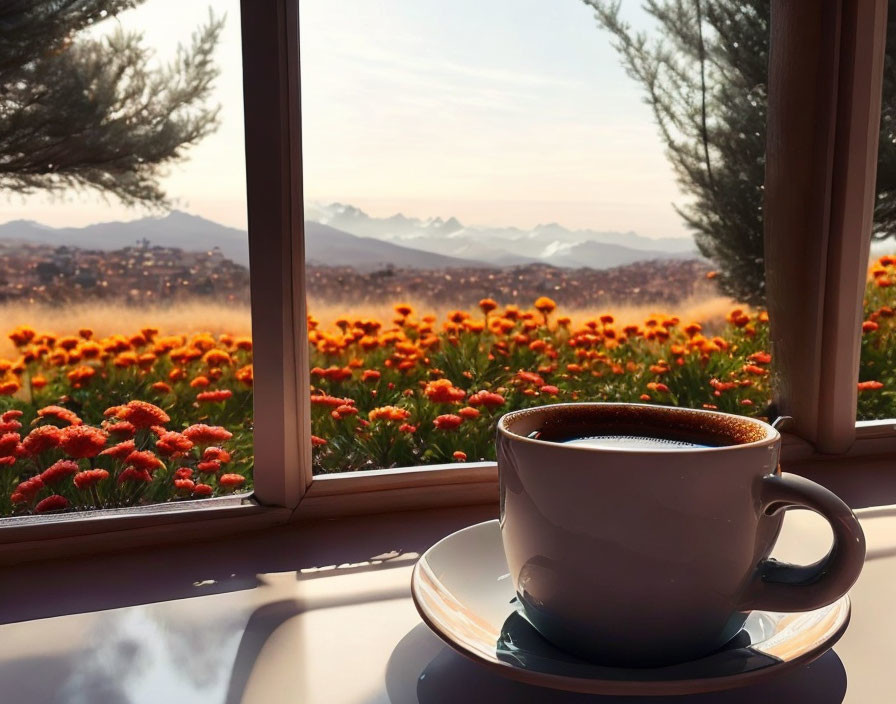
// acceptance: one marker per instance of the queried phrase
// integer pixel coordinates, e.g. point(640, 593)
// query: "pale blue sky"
point(498, 112)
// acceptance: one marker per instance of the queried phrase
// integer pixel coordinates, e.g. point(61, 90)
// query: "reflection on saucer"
point(521, 646)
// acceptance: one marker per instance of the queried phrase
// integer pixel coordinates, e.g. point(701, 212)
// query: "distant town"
point(141, 274)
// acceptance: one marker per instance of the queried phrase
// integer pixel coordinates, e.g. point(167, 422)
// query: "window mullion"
point(274, 200)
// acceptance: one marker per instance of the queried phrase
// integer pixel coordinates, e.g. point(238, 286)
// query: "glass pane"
point(495, 218)
point(877, 367)
point(125, 378)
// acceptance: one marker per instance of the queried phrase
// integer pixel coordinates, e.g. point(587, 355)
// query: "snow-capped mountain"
point(503, 246)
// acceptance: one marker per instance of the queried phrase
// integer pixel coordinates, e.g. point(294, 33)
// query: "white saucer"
point(463, 592)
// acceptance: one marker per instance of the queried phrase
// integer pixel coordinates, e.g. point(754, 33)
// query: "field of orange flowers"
point(416, 390)
point(126, 420)
point(123, 420)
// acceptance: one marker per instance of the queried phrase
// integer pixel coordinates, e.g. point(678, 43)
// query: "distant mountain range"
point(504, 246)
point(343, 235)
point(177, 229)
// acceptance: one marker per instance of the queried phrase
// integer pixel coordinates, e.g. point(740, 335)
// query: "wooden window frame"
point(820, 178)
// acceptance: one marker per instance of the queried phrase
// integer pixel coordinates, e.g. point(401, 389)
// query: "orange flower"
point(549, 389)
point(142, 414)
point(231, 481)
point(216, 453)
point(183, 473)
point(644, 397)
point(86, 333)
point(51, 503)
point(746, 402)
point(870, 385)
point(58, 471)
point(468, 412)
point(217, 358)
point(459, 456)
point(218, 396)
point(8, 428)
point(447, 422)
point(161, 387)
point(90, 350)
point(370, 375)
point(200, 382)
point(41, 439)
point(8, 388)
point(722, 385)
point(692, 329)
point(209, 466)
point(407, 428)
point(143, 460)
point(120, 451)
point(657, 386)
point(575, 368)
point(389, 413)
point(80, 375)
point(487, 305)
point(184, 484)
point(530, 378)
point(317, 442)
point(327, 400)
point(202, 490)
point(22, 335)
point(404, 310)
point(27, 490)
point(243, 343)
point(487, 399)
point(443, 391)
point(174, 444)
point(82, 441)
point(545, 305)
point(244, 375)
point(9, 444)
point(202, 434)
point(125, 359)
point(869, 326)
point(61, 414)
point(753, 369)
point(89, 478)
point(711, 274)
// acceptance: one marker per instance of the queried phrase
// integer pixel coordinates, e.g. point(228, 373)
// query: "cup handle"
point(780, 586)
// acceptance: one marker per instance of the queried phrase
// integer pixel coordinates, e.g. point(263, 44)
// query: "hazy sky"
point(498, 112)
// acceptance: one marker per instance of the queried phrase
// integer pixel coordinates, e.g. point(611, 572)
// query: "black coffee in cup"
point(634, 428)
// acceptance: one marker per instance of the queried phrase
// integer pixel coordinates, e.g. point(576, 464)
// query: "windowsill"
point(28, 538)
point(287, 610)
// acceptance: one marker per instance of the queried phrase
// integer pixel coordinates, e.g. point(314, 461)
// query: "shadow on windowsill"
point(232, 563)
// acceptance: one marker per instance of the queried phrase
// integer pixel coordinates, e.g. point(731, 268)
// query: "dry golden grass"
point(708, 311)
point(109, 318)
point(203, 316)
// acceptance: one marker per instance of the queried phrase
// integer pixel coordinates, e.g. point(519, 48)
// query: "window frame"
point(846, 39)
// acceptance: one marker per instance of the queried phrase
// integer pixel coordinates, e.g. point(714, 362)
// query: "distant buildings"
point(145, 274)
point(141, 274)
